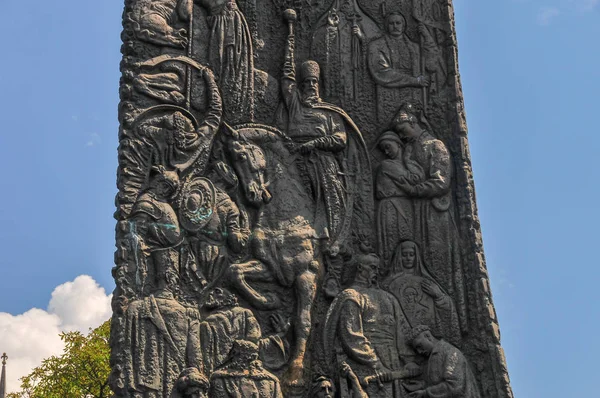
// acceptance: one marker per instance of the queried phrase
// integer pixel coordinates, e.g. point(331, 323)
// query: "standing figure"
point(231, 57)
point(395, 213)
point(421, 297)
point(333, 158)
point(163, 340)
point(156, 236)
point(243, 375)
point(435, 228)
point(365, 328)
point(447, 374)
point(339, 44)
point(395, 65)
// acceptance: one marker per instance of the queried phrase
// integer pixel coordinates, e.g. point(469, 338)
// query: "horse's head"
point(249, 159)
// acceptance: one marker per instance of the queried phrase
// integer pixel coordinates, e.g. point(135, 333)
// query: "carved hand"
point(307, 148)
point(423, 81)
point(345, 369)
point(413, 385)
point(203, 131)
point(432, 289)
point(418, 394)
point(412, 369)
point(424, 32)
point(401, 182)
point(238, 241)
point(280, 324)
point(357, 32)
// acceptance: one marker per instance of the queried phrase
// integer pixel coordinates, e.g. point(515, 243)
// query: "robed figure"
point(339, 45)
point(423, 300)
point(365, 328)
point(435, 227)
point(231, 57)
point(332, 158)
point(395, 66)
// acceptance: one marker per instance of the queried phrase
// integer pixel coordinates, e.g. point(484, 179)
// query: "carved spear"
point(190, 52)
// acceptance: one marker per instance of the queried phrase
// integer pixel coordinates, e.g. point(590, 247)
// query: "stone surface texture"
point(296, 214)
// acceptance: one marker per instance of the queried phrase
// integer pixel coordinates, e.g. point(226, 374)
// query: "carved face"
point(404, 127)
point(410, 295)
point(408, 256)
point(369, 270)
point(250, 164)
point(310, 88)
point(389, 148)
point(325, 389)
point(395, 25)
point(347, 7)
point(423, 343)
point(219, 298)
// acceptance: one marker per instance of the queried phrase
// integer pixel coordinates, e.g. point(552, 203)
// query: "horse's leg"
point(306, 290)
point(255, 271)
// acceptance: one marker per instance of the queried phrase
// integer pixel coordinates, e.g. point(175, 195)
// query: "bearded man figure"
point(333, 158)
point(395, 66)
point(365, 329)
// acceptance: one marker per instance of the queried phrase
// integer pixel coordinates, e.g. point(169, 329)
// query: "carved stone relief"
point(295, 215)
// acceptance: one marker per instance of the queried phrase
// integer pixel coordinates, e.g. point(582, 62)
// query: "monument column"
point(296, 213)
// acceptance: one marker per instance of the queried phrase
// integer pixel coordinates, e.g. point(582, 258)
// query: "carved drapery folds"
point(295, 215)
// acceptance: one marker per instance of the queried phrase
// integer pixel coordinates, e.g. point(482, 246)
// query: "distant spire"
point(3, 379)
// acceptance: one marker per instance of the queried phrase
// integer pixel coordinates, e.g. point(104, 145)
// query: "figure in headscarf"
point(395, 212)
point(421, 297)
point(435, 228)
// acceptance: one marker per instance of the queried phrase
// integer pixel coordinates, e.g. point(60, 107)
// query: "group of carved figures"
point(233, 234)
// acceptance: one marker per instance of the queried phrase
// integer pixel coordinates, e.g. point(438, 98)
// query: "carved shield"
point(197, 204)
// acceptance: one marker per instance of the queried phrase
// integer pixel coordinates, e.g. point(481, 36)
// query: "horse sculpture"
point(282, 241)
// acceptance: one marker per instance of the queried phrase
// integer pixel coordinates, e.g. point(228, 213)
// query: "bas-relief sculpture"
point(296, 215)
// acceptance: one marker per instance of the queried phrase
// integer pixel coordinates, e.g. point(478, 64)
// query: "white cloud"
point(547, 14)
point(34, 335)
point(587, 5)
point(93, 139)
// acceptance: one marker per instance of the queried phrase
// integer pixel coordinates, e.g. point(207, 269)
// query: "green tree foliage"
point(80, 372)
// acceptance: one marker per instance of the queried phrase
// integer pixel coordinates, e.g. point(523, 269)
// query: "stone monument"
point(296, 213)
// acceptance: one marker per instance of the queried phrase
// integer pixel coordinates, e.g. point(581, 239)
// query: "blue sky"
point(531, 75)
